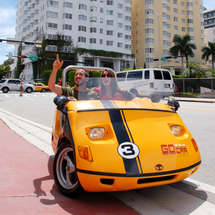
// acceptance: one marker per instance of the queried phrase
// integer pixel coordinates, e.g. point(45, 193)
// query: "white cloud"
point(8, 16)
point(7, 29)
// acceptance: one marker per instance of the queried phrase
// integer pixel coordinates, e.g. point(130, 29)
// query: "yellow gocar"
point(112, 145)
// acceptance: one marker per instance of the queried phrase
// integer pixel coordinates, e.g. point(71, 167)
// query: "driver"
point(79, 91)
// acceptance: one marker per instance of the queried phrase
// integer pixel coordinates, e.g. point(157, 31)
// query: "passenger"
point(109, 89)
point(79, 91)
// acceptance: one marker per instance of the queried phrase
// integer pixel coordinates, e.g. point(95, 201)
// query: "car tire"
point(29, 90)
point(64, 171)
point(43, 90)
point(5, 90)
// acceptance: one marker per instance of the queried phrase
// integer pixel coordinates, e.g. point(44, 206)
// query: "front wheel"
point(65, 172)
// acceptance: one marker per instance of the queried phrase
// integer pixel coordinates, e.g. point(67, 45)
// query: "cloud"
point(8, 15)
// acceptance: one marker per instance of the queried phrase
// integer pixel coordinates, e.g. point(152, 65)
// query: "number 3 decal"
point(128, 150)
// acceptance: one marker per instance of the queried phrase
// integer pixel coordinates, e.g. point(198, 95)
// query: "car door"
point(18, 85)
point(12, 84)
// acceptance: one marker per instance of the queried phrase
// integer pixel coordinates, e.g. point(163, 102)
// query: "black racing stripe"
point(138, 175)
point(130, 165)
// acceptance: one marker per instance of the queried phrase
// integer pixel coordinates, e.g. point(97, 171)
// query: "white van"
point(154, 83)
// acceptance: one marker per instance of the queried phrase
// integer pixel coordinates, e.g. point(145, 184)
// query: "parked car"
point(40, 87)
point(14, 85)
point(114, 145)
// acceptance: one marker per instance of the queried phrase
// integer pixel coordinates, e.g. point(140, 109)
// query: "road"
point(198, 191)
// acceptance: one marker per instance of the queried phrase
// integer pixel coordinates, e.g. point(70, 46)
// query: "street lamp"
point(159, 46)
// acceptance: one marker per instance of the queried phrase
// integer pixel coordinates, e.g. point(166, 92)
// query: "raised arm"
point(52, 86)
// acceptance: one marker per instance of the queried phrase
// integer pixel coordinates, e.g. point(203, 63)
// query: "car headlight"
point(96, 133)
point(176, 129)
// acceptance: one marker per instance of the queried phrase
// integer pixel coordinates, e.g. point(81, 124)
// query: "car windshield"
point(105, 88)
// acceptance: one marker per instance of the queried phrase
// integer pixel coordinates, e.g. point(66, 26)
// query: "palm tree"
point(182, 46)
point(209, 51)
point(193, 70)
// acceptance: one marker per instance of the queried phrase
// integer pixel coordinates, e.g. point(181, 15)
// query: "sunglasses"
point(106, 75)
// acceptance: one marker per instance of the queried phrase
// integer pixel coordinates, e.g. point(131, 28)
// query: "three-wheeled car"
point(111, 145)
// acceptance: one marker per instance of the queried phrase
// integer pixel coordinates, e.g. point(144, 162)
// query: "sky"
point(8, 10)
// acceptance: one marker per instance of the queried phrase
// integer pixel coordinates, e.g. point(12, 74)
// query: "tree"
point(182, 46)
point(193, 70)
point(19, 66)
point(209, 51)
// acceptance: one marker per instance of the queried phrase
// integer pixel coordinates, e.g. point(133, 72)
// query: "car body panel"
point(40, 87)
point(138, 126)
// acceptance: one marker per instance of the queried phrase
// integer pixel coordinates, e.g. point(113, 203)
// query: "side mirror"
point(173, 104)
point(60, 100)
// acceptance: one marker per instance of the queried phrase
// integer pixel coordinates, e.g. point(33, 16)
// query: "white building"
point(209, 27)
point(93, 24)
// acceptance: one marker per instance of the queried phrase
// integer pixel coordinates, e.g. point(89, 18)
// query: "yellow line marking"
point(196, 109)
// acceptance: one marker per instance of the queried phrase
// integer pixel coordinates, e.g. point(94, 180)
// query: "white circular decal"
point(128, 150)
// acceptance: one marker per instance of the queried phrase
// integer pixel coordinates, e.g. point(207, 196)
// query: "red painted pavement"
point(27, 185)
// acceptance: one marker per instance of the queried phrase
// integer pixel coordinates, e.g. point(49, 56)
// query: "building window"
point(149, 21)
point(109, 43)
point(149, 40)
point(189, 20)
point(82, 17)
point(128, 27)
point(93, 19)
point(109, 12)
point(67, 16)
point(93, 8)
point(109, 22)
point(52, 3)
point(101, 41)
point(51, 25)
point(128, 37)
point(175, 19)
point(67, 4)
point(120, 35)
point(149, 50)
point(128, 46)
point(92, 40)
point(109, 2)
point(120, 15)
point(101, 31)
point(92, 30)
point(175, 27)
point(149, 31)
point(67, 27)
point(120, 45)
point(82, 39)
point(109, 32)
point(120, 6)
point(82, 28)
point(83, 6)
point(120, 25)
point(147, 2)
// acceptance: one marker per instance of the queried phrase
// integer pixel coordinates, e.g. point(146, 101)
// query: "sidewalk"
point(27, 185)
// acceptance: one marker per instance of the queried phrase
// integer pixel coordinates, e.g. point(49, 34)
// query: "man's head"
point(81, 77)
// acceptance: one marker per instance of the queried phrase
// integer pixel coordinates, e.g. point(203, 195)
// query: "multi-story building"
point(155, 22)
point(209, 26)
point(93, 24)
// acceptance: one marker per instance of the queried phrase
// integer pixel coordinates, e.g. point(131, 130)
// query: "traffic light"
point(42, 58)
point(23, 56)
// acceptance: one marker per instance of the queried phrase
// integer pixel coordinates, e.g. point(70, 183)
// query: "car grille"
point(157, 179)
